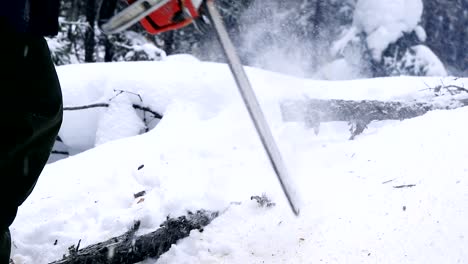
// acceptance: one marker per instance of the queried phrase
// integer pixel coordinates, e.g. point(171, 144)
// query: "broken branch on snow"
point(129, 248)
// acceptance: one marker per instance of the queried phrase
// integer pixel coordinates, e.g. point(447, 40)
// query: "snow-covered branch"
point(97, 105)
point(358, 113)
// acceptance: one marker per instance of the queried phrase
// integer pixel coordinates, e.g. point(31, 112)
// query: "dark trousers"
point(30, 118)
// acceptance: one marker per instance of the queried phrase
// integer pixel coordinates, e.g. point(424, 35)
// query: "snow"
point(427, 60)
point(204, 153)
point(139, 43)
point(97, 83)
point(384, 21)
point(119, 121)
point(339, 69)
point(339, 45)
point(421, 33)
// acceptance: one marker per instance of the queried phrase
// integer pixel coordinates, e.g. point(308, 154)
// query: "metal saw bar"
point(253, 107)
point(131, 15)
point(141, 8)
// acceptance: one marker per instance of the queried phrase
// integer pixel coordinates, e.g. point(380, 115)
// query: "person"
point(30, 106)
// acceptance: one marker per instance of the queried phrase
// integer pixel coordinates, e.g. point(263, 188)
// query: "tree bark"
point(129, 249)
point(90, 42)
point(106, 11)
point(109, 50)
point(358, 113)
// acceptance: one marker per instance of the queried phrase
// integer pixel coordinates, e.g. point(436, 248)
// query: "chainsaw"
point(158, 16)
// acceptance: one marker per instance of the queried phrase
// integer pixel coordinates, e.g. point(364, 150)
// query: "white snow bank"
point(157, 83)
point(205, 154)
point(207, 86)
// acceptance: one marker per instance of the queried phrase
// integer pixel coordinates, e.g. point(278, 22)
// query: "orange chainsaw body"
point(173, 15)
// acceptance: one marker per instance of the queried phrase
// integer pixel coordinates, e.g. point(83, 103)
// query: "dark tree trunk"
point(72, 16)
point(90, 42)
point(106, 11)
point(168, 42)
point(109, 50)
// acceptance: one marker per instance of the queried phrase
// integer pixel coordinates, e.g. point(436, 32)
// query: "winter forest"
point(333, 39)
point(157, 160)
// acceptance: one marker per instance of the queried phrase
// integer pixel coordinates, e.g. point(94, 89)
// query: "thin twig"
point(458, 88)
point(113, 97)
point(404, 186)
point(124, 91)
point(385, 182)
point(60, 152)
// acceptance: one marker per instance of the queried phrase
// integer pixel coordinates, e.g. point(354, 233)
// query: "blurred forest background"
point(323, 39)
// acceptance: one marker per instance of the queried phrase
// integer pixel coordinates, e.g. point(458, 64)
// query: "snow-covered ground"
point(205, 154)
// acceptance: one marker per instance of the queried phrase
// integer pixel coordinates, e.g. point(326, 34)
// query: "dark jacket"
point(38, 17)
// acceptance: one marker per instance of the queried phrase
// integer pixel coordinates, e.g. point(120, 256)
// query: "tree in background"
point(90, 41)
point(334, 39)
point(389, 40)
point(197, 39)
point(446, 24)
point(80, 39)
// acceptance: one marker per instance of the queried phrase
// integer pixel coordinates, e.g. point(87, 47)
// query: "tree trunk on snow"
point(358, 113)
point(129, 249)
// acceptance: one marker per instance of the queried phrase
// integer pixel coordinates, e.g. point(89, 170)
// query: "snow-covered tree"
point(391, 39)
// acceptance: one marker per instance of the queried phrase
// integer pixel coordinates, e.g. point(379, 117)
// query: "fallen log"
point(129, 248)
point(357, 113)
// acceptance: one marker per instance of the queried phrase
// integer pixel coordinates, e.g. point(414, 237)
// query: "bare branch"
point(124, 91)
point(83, 107)
point(147, 109)
point(98, 105)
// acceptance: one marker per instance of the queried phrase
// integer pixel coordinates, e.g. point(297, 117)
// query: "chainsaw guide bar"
point(139, 10)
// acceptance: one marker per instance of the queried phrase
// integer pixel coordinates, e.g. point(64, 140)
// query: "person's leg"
point(30, 118)
point(5, 246)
